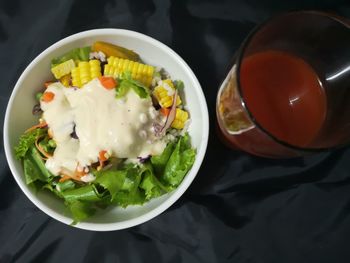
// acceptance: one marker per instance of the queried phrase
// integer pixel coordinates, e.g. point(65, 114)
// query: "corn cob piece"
point(140, 72)
point(85, 72)
point(164, 94)
point(180, 119)
point(65, 80)
point(63, 69)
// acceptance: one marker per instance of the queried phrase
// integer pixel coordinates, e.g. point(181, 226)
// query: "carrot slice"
point(48, 96)
point(108, 82)
point(165, 111)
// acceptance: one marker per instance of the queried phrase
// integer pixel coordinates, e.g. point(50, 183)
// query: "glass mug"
point(287, 93)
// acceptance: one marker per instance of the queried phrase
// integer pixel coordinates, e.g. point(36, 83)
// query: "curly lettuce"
point(27, 140)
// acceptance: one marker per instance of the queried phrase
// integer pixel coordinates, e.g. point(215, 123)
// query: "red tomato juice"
point(285, 97)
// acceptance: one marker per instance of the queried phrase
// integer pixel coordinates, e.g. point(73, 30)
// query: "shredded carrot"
point(36, 126)
point(102, 156)
point(41, 150)
point(165, 111)
point(108, 82)
point(48, 83)
point(102, 159)
point(48, 96)
point(64, 178)
point(79, 173)
point(66, 175)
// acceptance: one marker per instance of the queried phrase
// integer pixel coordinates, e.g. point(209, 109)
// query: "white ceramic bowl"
point(19, 117)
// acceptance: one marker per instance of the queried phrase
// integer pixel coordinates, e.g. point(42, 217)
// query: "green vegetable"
point(27, 140)
point(126, 83)
point(75, 201)
point(34, 167)
point(179, 85)
point(180, 162)
point(77, 54)
point(66, 185)
point(38, 95)
point(111, 180)
point(80, 210)
point(132, 179)
point(52, 143)
point(48, 144)
point(157, 74)
point(130, 193)
point(125, 199)
point(151, 185)
point(159, 161)
point(122, 185)
point(175, 161)
point(84, 193)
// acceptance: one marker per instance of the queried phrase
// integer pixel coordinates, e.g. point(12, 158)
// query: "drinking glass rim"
point(241, 52)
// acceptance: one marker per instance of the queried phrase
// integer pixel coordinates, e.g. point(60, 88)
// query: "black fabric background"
point(240, 208)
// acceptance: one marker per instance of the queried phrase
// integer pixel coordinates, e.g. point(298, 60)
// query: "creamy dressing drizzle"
point(122, 127)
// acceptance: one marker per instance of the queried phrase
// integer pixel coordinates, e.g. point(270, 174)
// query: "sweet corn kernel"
point(180, 119)
point(140, 72)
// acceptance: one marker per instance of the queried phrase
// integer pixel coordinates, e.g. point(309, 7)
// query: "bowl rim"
point(175, 195)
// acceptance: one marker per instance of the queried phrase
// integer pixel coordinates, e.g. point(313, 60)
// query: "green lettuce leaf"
point(77, 54)
point(85, 193)
point(159, 161)
point(126, 83)
point(34, 167)
point(151, 185)
point(130, 193)
point(81, 202)
point(48, 144)
point(124, 198)
point(180, 162)
point(51, 187)
point(179, 85)
point(111, 180)
point(66, 185)
point(27, 140)
point(80, 210)
point(132, 179)
point(122, 185)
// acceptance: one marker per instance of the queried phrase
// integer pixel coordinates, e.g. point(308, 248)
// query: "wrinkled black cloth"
point(240, 208)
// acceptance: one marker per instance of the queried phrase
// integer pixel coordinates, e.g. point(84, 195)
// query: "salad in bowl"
point(111, 131)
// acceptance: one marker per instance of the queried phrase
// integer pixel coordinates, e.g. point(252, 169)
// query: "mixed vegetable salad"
point(111, 131)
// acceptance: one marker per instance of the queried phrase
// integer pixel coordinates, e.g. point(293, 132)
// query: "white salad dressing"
point(122, 127)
